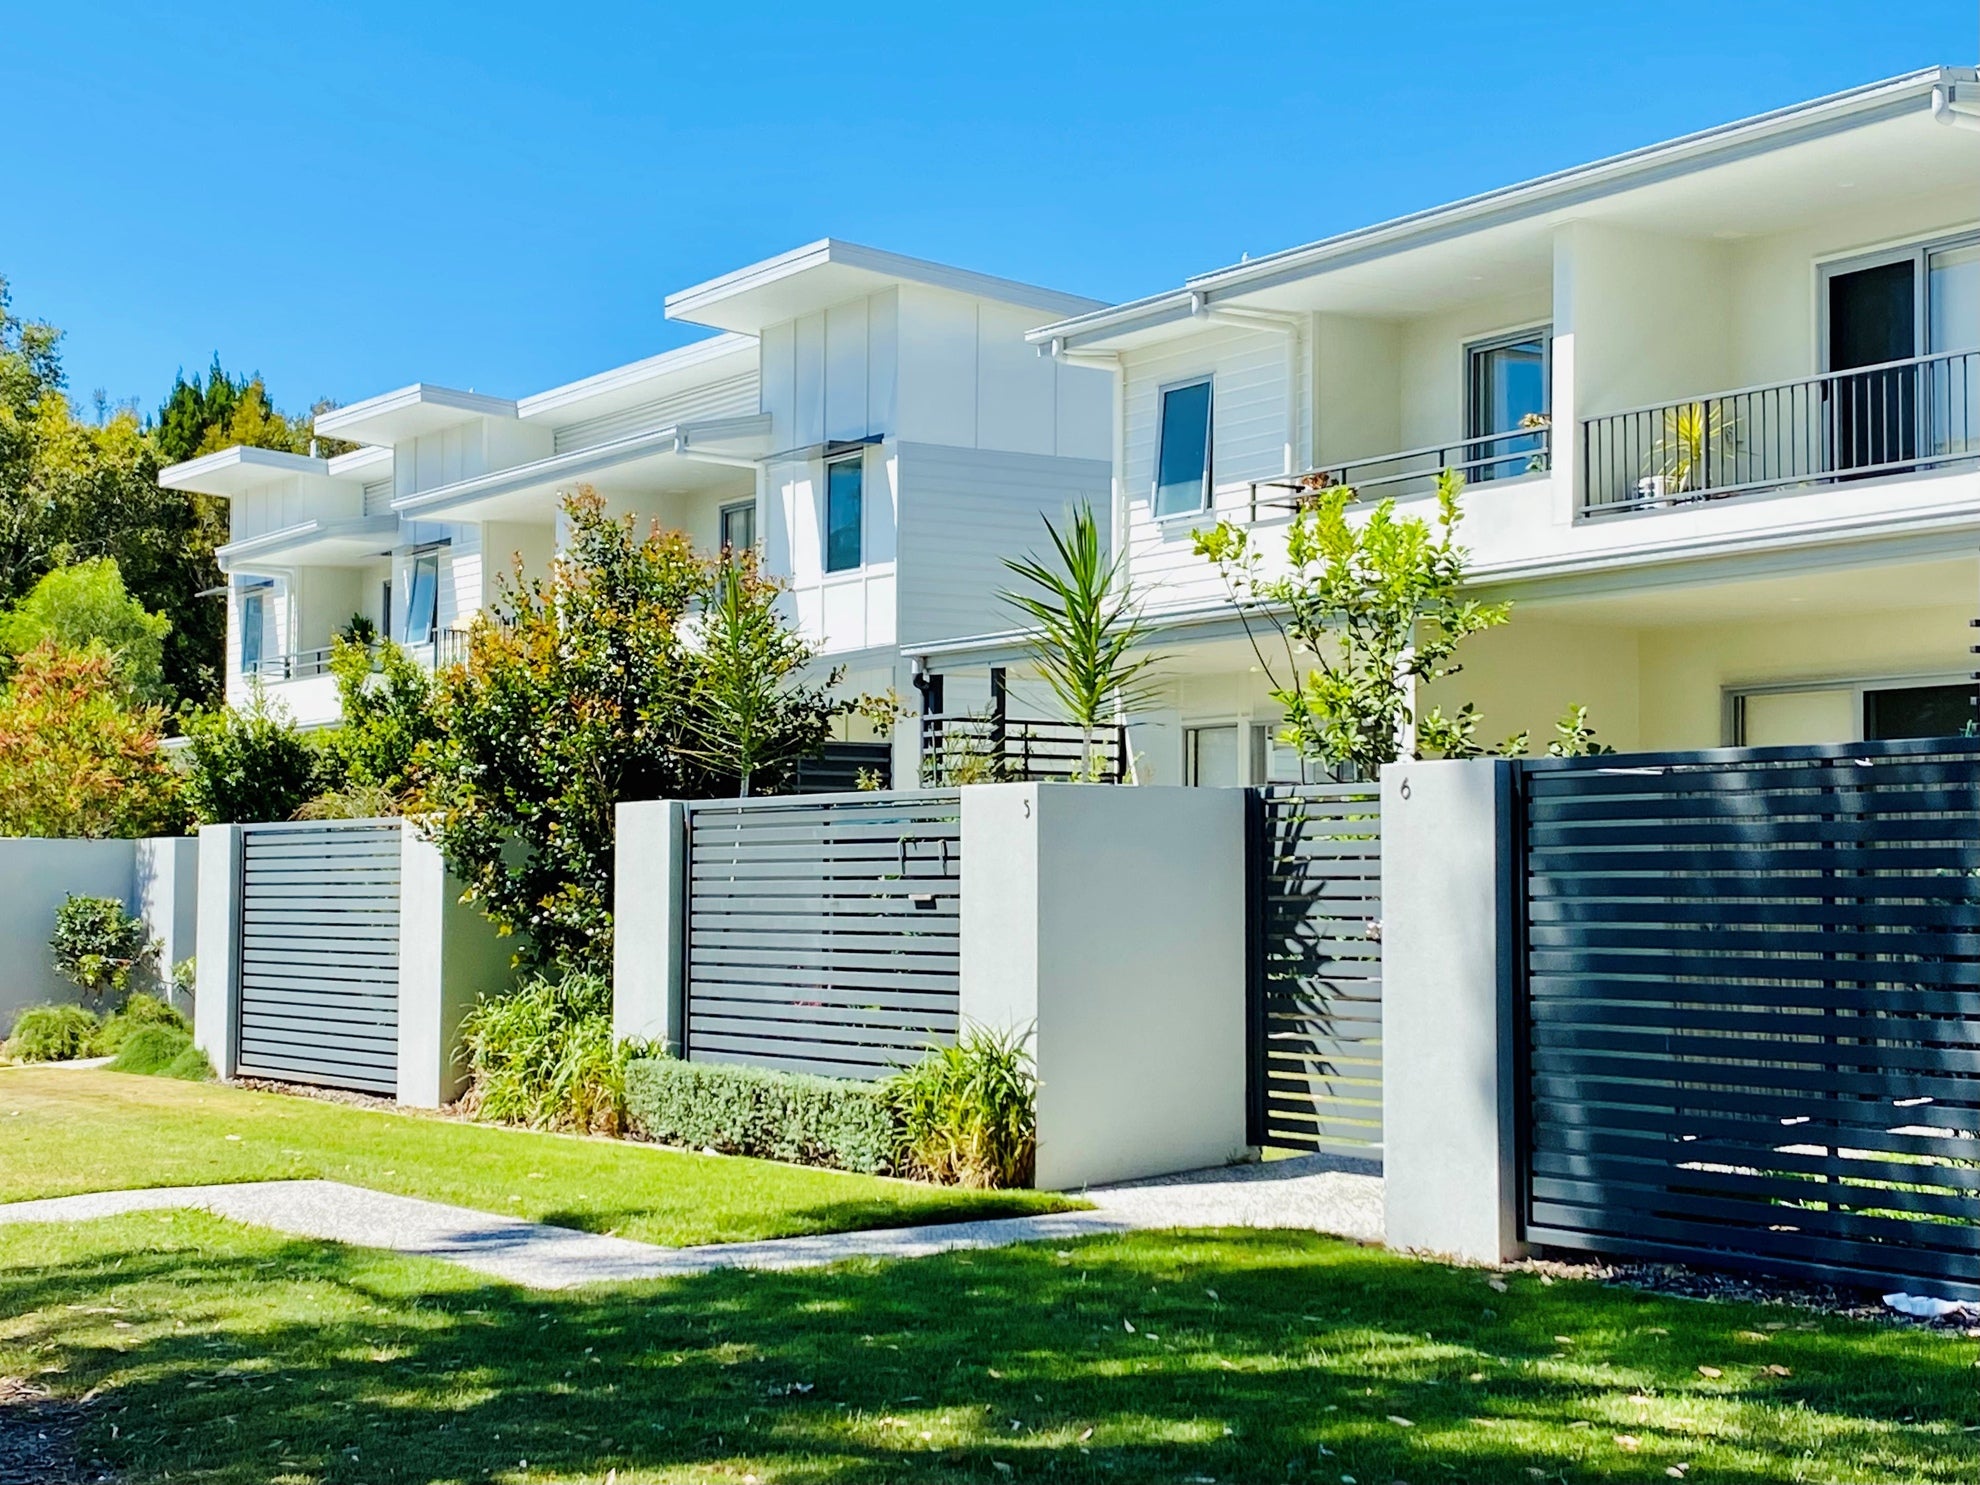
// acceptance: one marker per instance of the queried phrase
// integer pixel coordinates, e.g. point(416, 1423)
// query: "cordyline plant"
point(1087, 629)
point(1366, 611)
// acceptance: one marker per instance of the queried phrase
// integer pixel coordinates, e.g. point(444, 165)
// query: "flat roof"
point(409, 411)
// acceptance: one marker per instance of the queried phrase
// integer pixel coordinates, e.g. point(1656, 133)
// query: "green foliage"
point(753, 715)
point(542, 1055)
point(1368, 611)
point(162, 1051)
point(83, 604)
point(353, 802)
point(248, 766)
point(585, 688)
point(1574, 738)
point(75, 759)
point(967, 1114)
point(1087, 626)
point(140, 1012)
point(831, 1122)
point(98, 946)
point(52, 1033)
point(390, 713)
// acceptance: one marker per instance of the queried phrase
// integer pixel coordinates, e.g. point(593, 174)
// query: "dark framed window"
point(1918, 711)
point(1182, 449)
point(1506, 391)
point(845, 510)
point(739, 526)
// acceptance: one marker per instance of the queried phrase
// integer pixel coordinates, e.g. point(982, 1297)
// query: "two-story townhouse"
point(877, 425)
point(1717, 402)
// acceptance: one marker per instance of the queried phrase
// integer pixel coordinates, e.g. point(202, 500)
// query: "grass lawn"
point(217, 1353)
point(68, 1130)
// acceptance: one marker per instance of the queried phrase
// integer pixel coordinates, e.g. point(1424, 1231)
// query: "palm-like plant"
point(1696, 438)
point(1087, 628)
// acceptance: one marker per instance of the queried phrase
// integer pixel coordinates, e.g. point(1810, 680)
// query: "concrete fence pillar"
point(449, 956)
point(217, 983)
point(649, 903)
point(1111, 922)
point(1448, 959)
point(166, 892)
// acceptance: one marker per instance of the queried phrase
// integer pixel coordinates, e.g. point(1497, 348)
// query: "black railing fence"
point(1872, 420)
point(993, 748)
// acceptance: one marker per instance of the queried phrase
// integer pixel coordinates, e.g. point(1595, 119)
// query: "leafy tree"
point(1366, 611)
point(248, 766)
point(75, 758)
point(1088, 628)
point(390, 713)
point(754, 715)
point(74, 606)
point(98, 947)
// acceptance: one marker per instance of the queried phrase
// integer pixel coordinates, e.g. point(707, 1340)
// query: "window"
point(385, 606)
point(739, 526)
point(845, 499)
point(1918, 711)
point(254, 627)
point(1853, 711)
point(1506, 382)
point(1213, 756)
point(1182, 458)
point(422, 597)
point(1275, 762)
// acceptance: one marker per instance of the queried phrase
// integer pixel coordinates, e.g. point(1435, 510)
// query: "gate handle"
point(939, 840)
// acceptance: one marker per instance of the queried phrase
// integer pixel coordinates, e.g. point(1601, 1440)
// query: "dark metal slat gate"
point(1315, 885)
point(1752, 1009)
point(823, 931)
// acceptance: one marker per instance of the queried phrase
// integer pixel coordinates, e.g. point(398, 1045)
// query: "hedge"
point(754, 1111)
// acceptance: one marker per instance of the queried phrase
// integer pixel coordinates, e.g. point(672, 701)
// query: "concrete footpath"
point(1313, 1193)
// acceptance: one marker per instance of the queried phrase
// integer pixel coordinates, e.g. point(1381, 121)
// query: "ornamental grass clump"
point(542, 1055)
point(51, 1033)
point(967, 1114)
point(140, 1012)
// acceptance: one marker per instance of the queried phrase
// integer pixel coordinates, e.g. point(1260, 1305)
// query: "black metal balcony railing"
point(1490, 456)
point(1893, 418)
point(297, 665)
point(980, 749)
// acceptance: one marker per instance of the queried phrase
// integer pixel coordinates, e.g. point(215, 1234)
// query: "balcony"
point(1894, 418)
point(1487, 457)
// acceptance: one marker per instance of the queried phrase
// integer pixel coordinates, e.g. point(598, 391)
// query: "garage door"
point(319, 969)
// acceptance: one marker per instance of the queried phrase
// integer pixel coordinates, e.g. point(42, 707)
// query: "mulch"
point(40, 1438)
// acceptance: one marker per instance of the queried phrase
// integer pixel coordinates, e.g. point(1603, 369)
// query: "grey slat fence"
point(319, 954)
point(1315, 873)
point(822, 931)
point(1752, 1009)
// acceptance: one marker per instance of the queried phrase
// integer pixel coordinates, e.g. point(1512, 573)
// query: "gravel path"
point(1314, 1193)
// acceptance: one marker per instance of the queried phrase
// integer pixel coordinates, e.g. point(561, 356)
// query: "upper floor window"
point(845, 501)
point(422, 597)
point(1182, 450)
point(254, 627)
point(739, 526)
point(1506, 392)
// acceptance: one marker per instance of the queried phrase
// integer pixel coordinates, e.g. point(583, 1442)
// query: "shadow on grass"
point(233, 1355)
point(931, 1208)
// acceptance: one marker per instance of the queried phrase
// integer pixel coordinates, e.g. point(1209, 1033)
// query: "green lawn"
point(217, 1353)
point(66, 1130)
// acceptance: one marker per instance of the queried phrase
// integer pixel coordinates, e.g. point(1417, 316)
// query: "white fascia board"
point(312, 542)
point(733, 300)
point(239, 470)
point(370, 462)
point(411, 409)
point(1798, 123)
point(675, 439)
point(628, 384)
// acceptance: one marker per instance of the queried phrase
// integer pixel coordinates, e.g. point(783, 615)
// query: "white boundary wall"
point(154, 879)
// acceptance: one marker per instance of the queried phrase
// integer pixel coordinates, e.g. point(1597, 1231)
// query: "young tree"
point(73, 607)
point(753, 714)
point(1088, 628)
point(249, 767)
point(75, 758)
point(390, 706)
point(1366, 610)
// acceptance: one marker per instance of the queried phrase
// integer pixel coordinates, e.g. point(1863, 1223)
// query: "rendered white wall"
point(1099, 918)
point(216, 1000)
point(449, 956)
point(648, 906)
point(35, 877)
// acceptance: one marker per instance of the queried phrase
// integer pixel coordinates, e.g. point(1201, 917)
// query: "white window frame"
point(1207, 380)
point(259, 592)
point(414, 557)
point(825, 567)
point(1919, 255)
point(1499, 340)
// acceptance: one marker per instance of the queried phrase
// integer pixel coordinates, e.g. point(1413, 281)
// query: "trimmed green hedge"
point(752, 1111)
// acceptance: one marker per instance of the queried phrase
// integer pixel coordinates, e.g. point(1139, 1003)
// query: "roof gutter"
point(1950, 108)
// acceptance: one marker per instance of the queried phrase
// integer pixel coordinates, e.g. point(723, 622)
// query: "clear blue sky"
point(352, 197)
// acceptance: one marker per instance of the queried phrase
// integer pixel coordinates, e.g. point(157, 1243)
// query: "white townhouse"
point(876, 424)
point(1717, 402)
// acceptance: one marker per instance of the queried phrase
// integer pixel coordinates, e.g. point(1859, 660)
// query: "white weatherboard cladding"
point(731, 397)
point(1250, 440)
point(964, 512)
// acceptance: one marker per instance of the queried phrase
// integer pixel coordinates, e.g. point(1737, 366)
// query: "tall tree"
point(86, 603)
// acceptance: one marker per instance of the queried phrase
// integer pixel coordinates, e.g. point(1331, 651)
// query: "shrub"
point(141, 1012)
point(162, 1051)
point(52, 1033)
point(249, 767)
point(388, 703)
point(353, 802)
point(755, 1111)
point(542, 1055)
point(98, 946)
point(967, 1114)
